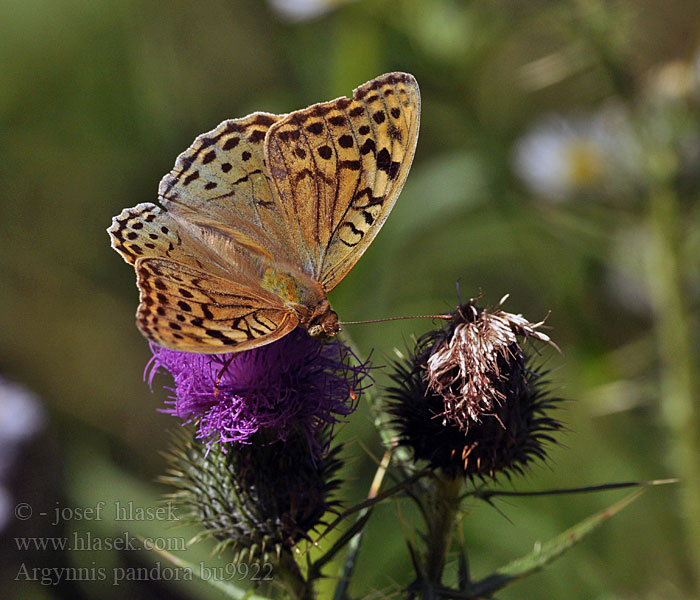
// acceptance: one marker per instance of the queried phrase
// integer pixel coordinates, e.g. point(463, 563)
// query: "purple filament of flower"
point(295, 382)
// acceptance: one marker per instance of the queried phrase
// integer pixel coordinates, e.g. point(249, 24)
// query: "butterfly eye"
point(325, 323)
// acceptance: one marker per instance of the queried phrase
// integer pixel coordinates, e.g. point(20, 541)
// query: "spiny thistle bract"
point(258, 499)
point(468, 399)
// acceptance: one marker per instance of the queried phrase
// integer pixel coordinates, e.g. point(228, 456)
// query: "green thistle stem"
point(291, 578)
point(378, 415)
point(441, 510)
point(679, 387)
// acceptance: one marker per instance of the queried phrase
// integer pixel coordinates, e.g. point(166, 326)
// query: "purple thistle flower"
point(294, 383)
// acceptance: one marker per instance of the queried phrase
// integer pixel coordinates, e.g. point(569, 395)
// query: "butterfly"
point(261, 217)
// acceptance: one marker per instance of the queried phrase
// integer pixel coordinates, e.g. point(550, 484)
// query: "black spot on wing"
point(315, 128)
point(384, 163)
point(379, 117)
point(257, 136)
point(231, 143)
point(368, 146)
point(191, 177)
point(325, 152)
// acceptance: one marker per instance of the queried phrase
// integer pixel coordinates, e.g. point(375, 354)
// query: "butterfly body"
point(299, 294)
point(261, 217)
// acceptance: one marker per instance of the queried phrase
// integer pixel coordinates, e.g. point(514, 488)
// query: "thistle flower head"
point(469, 401)
point(257, 499)
point(295, 383)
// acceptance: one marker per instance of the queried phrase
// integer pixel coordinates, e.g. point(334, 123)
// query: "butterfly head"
point(324, 322)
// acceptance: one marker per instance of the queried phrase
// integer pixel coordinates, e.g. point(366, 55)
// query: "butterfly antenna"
point(444, 317)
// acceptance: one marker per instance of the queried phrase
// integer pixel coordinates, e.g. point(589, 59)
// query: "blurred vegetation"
point(97, 98)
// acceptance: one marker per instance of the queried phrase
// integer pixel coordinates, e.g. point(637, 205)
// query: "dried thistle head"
point(463, 362)
point(469, 401)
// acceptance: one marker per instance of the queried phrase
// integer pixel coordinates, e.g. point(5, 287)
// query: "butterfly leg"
point(229, 360)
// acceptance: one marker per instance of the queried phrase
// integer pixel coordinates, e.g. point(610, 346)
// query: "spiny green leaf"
point(548, 551)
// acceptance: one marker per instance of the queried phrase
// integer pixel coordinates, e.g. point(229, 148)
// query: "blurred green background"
point(558, 161)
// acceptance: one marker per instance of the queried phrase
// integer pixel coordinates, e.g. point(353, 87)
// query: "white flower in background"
point(303, 10)
point(561, 156)
point(21, 414)
point(21, 417)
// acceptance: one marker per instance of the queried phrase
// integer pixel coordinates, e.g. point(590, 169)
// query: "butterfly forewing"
point(192, 310)
point(338, 168)
point(221, 183)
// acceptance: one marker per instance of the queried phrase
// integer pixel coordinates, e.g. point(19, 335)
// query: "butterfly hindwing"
point(146, 230)
point(149, 231)
point(338, 168)
point(191, 310)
